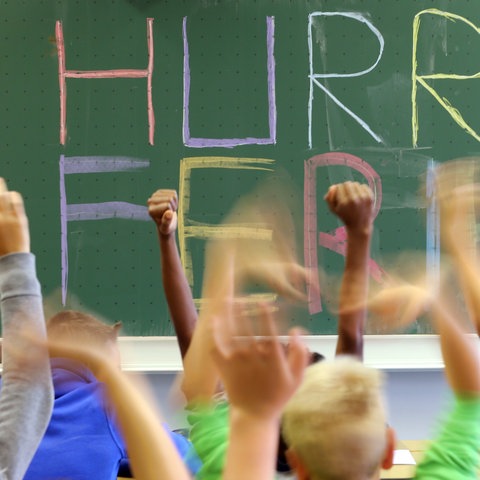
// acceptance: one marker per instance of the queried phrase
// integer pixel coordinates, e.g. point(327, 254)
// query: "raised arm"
point(458, 230)
point(225, 273)
point(454, 453)
point(457, 240)
point(272, 374)
point(201, 379)
point(239, 360)
point(352, 203)
point(26, 398)
point(162, 207)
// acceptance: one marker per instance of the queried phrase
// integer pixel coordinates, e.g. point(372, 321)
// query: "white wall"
point(416, 398)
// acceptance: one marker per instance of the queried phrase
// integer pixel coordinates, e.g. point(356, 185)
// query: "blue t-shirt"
point(82, 441)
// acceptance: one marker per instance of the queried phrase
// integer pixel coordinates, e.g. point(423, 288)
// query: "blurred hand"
point(457, 198)
point(286, 278)
point(259, 373)
point(400, 305)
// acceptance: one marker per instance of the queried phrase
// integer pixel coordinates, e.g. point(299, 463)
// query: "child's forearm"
point(460, 353)
point(353, 294)
point(252, 447)
point(151, 452)
point(177, 292)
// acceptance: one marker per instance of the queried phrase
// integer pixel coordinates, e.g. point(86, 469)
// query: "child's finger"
point(16, 203)
point(174, 202)
point(356, 190)
point(267, 323)
point(167, 217)
point(5, 205)
point(331, 193)
point(3, 185)
point(365, 191)
point(342, 194)
point(221, 340)
point(244, 320)
point(169, 220)
point(297, 354)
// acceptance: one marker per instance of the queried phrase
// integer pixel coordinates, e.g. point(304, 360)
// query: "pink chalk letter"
point(63, 74)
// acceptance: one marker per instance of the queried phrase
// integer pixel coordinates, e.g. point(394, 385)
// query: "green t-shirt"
point(454, 454)
point(209, 435)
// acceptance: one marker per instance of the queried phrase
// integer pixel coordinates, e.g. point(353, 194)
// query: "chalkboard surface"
point(105, 101)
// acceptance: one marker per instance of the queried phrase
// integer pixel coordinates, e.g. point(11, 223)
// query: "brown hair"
point(81, 327)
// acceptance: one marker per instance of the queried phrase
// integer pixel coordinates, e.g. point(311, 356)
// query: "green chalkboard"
point(105, 101)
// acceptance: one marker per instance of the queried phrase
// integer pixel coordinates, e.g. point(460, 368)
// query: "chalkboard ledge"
point(387, 352)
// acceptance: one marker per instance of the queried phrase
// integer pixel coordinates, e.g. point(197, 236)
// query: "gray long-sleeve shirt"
point(26, 396)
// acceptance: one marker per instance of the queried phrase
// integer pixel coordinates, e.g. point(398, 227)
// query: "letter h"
point(63, 74)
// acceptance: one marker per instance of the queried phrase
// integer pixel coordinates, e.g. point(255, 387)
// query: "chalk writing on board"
point(423, 79)
point(315, 76)
point(63, 74)
point(314, 80)
point(272, 110)
point(203, 230)
point(336, 240)
point(94, 211)
point(314, 238)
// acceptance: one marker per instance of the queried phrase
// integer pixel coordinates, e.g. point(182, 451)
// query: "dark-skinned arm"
point(352, 203)
point(162, 207)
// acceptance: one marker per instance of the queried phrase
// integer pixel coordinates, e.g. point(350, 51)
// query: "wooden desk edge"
point(417, 449)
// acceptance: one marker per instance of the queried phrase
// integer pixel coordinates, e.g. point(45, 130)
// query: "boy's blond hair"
point(336, 421)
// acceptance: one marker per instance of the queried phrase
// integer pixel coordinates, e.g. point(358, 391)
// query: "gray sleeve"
point(26, 397)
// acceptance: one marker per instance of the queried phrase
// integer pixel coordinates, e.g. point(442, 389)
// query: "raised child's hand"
point(352, 202)
point(259, 373)
point(14, 232)
point(400, 305)
point(457, 198)
point(162, 207)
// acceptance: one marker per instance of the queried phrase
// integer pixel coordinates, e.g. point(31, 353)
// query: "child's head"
point(335, 424)
point(74, 326)
point(282, 462)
